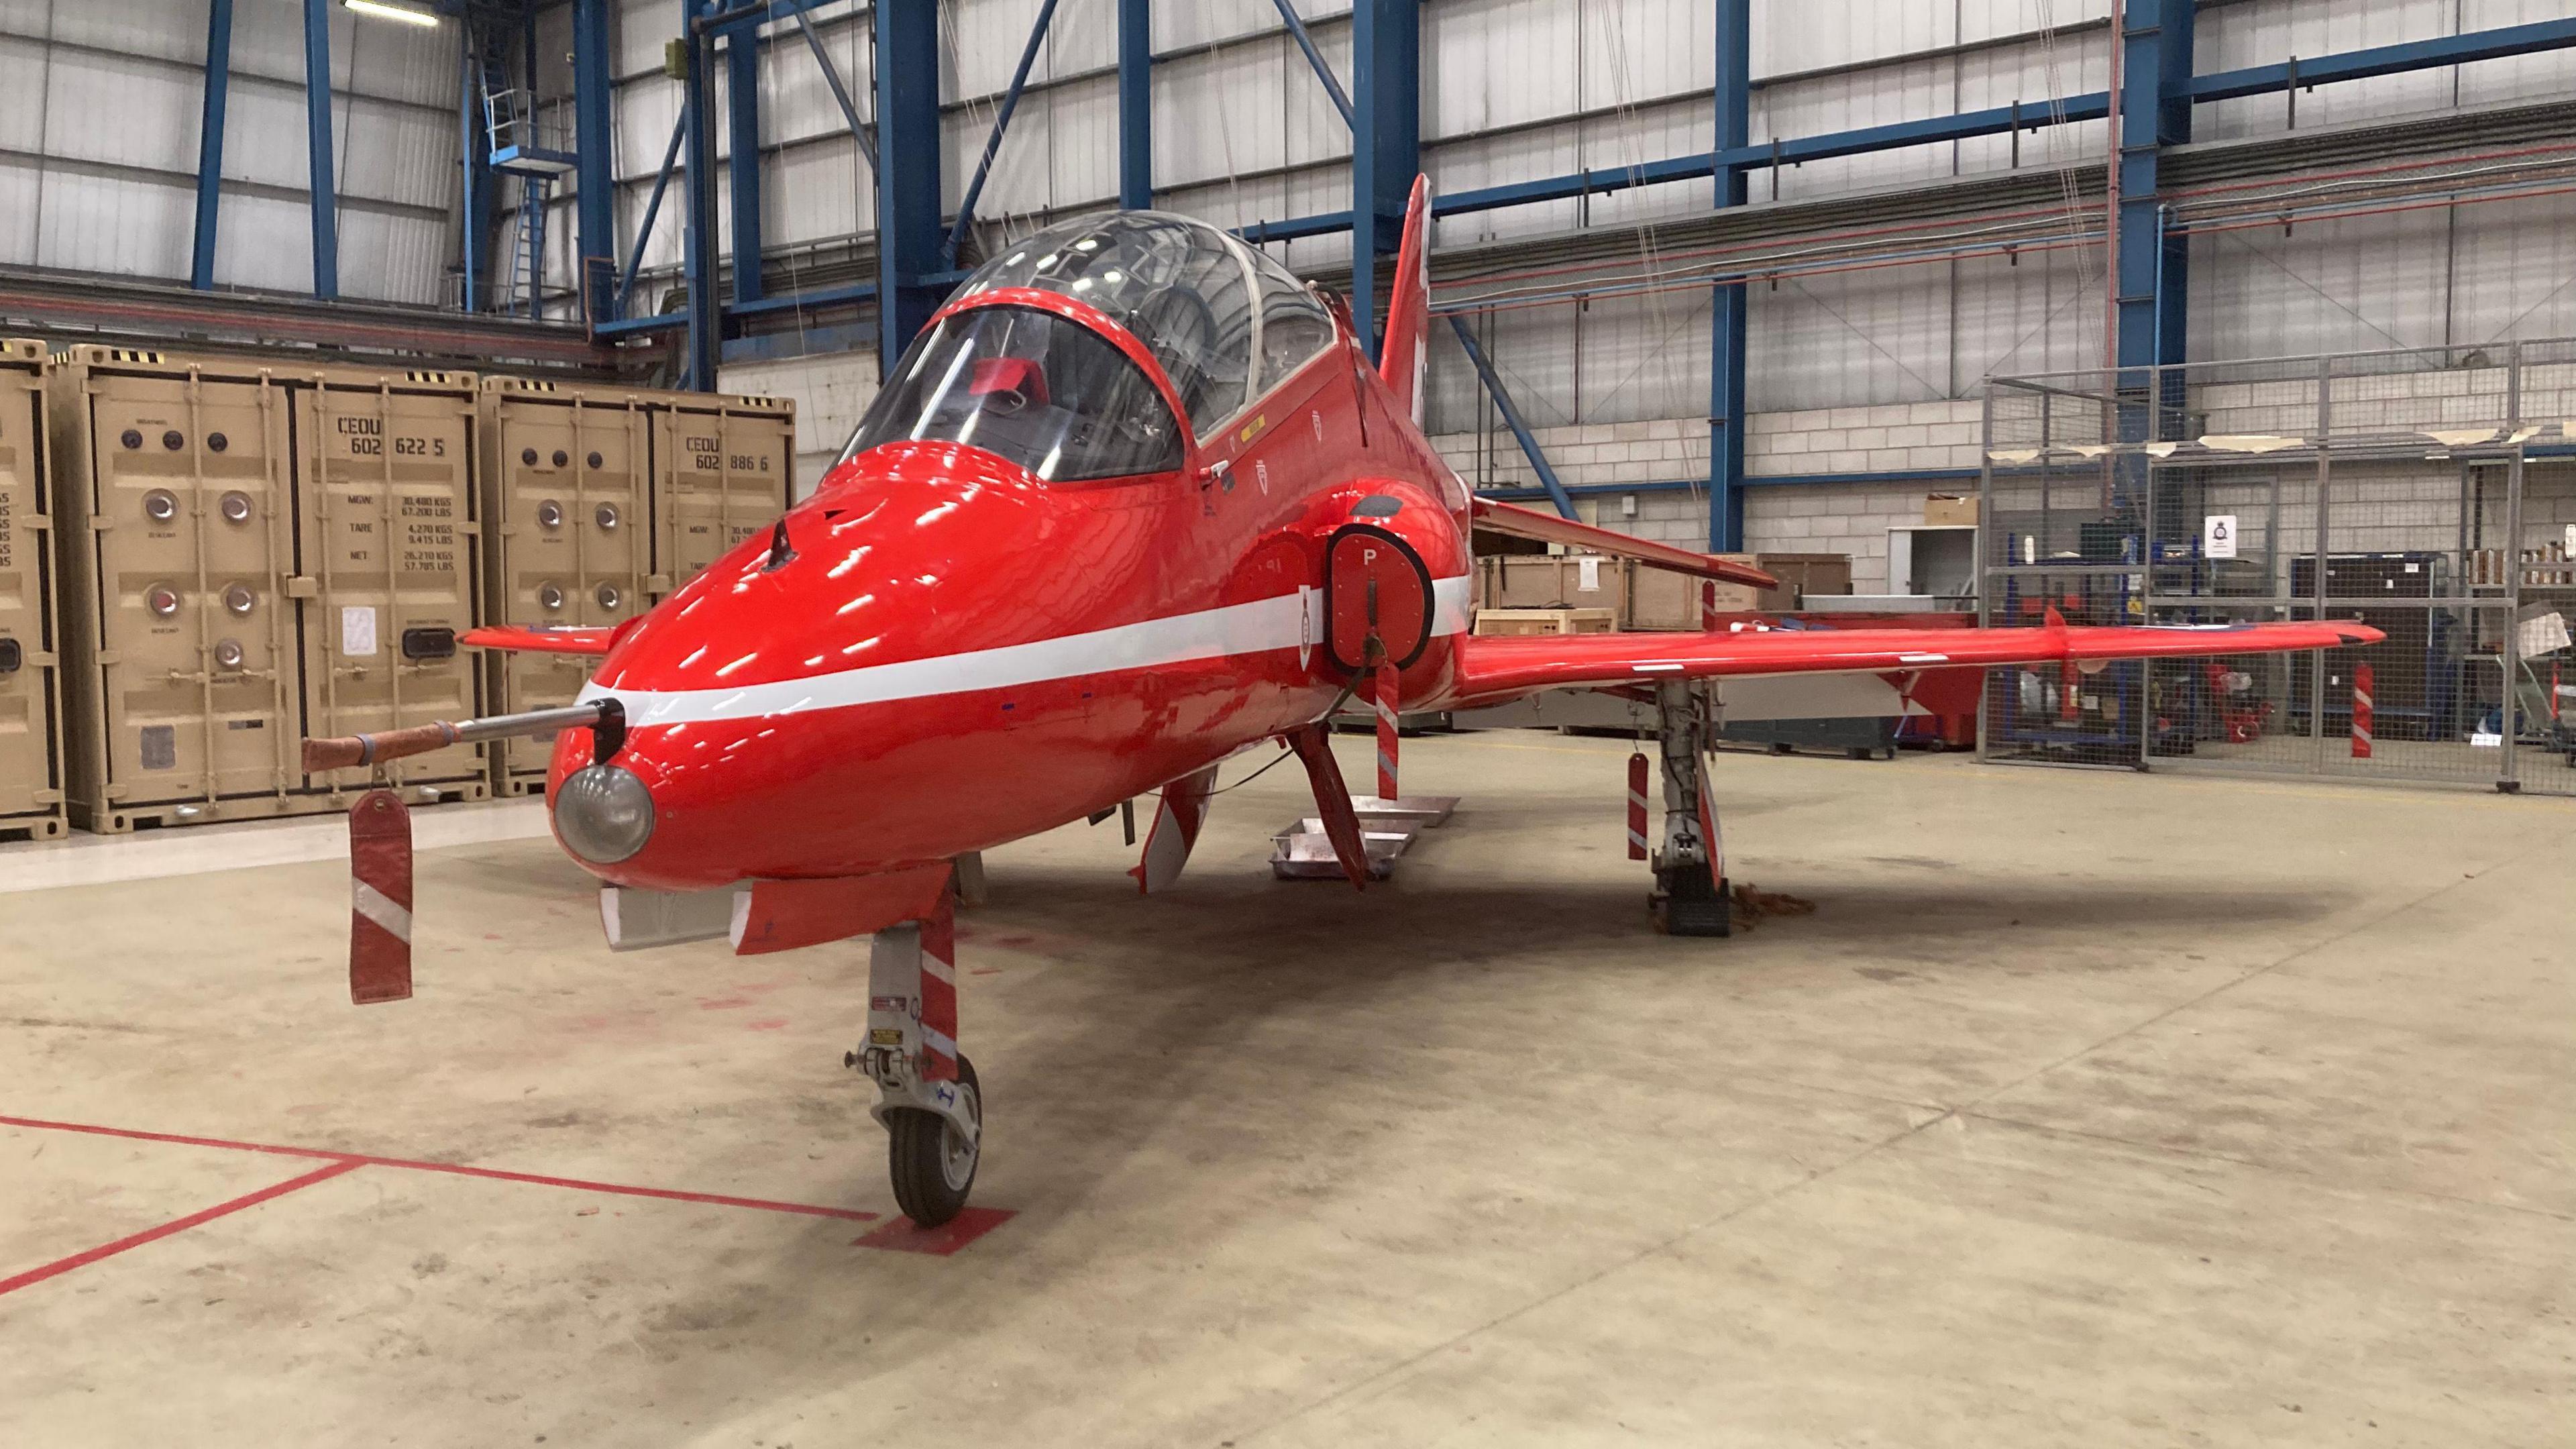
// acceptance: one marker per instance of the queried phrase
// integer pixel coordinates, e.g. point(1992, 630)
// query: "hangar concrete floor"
point(2085, 1109)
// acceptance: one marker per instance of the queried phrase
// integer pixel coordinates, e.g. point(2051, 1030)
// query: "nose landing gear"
point(929, 1101)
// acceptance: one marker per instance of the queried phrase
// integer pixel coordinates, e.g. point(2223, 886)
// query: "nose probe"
point(605, 718)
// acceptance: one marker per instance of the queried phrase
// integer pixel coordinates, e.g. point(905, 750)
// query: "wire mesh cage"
point(2430, 493)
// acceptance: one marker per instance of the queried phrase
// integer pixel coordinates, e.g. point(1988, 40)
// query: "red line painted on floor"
point(176, 1225)
point(456, 1169)
point(900, 1236)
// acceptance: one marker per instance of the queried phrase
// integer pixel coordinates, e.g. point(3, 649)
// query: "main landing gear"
point(1691, 897)
point(928, 1099)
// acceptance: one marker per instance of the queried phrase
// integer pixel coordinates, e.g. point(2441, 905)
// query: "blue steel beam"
point(1135, 104)
point(866, 134)
point(2477, 45)
point(1728, 304)
point(742, 112)
point(474, 196)
point(699, 251)
point(1548, 484)
point(1306, 42)
point(993, 143)
point(652, 211)
point(907, 88)
point(2091, 106)
point(210, 140)
point(317, 143)
point(1386, 140)
point(593, 90)
point(2156, 46)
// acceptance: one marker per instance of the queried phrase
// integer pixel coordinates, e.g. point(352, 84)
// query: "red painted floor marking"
point(900, 1236)
point(457, 1169)
point(176, 1225)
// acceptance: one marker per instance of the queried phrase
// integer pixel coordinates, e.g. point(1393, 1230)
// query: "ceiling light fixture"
point(387, 10)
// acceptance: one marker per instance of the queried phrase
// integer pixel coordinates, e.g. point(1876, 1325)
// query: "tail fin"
point(1408, 309)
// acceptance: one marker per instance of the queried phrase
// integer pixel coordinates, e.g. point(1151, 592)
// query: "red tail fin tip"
point(1408, 310)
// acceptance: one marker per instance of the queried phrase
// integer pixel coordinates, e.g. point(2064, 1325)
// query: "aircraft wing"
point(1493, 670)
point(1519, 522)
point(529, 639)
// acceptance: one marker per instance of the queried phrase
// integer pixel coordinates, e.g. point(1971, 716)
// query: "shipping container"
point(603, 499)
point(31, 738)
point(389, 568)
point(568, 536)
point(724, 467)
point(253, 552)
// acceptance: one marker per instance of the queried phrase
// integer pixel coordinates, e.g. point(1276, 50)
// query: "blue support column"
point(698, 243)
point(2154, 111)
point(993, 143)
point(317, 141)
point(593, 141)
point(1386, 140)
point(742, 111)
point(1727, 306)
point(210, 140)
point(1135, 104)
point(908, 232)
point(1547, 479)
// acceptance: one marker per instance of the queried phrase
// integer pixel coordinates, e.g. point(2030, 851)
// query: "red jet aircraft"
point(1135, 500)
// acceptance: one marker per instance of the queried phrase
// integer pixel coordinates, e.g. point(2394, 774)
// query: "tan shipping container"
point(724, 467)
point(31, 738)
point(390, 567)
point(251, 553)
point(568, 536)
point(644, 488)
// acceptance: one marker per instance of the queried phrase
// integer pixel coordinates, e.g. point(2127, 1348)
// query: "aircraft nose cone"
point(603, 814)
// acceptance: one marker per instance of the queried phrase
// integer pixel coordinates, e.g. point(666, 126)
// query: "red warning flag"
point(379, 899)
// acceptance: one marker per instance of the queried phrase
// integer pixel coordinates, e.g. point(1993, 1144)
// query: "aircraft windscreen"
point(1185, 289)
point(1046, 393)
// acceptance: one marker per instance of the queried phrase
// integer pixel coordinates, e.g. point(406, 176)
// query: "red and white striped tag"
point(1638, 774)
point(379, 899)
point(2361, 685)
point(1388, 701)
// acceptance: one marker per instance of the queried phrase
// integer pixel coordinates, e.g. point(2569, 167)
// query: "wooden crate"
point(1507, 622)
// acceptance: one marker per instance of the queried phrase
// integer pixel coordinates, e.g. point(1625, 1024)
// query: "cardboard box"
point(1800, 574)
point(1546, 621)
point(1556, 581)
point(1950, 509)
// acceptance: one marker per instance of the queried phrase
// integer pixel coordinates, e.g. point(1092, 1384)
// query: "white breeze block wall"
point(830, 391)
point(1841, 518)
point(1793, 518)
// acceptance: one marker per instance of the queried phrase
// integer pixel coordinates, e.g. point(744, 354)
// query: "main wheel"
point(1692, 905)
point(932, 1166)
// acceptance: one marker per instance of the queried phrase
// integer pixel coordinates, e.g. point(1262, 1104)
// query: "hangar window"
point(1049, 394)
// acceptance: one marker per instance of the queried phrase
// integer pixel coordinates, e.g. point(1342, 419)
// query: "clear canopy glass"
point(1224, 321)
point(1049, 394)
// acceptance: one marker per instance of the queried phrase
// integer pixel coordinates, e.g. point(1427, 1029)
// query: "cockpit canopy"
point(1225, 323)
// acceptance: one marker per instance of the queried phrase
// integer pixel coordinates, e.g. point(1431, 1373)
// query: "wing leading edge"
point(534, 639)
point(1495, 670)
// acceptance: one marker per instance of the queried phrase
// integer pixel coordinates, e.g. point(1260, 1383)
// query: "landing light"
point(388, 10)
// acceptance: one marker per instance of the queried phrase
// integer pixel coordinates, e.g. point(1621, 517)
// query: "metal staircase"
point(519, 149)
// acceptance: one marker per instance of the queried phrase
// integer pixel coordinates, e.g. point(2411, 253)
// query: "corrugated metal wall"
point(99, 107)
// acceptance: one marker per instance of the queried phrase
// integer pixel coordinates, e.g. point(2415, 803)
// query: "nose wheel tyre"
point(931, 1162)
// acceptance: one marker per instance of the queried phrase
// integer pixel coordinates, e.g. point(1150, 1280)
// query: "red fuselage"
point(959, 654)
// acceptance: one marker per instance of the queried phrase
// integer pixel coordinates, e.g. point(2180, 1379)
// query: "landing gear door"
point(1375, 583)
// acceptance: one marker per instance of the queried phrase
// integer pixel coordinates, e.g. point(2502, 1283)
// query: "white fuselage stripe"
point(1288, 621)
